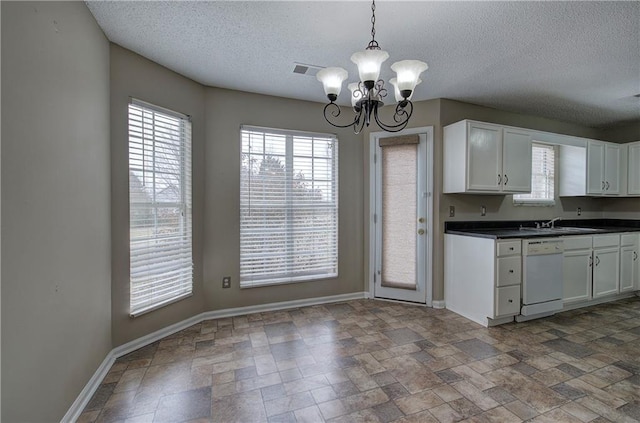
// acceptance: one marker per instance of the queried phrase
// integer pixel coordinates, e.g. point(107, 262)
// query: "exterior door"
point(401, 221)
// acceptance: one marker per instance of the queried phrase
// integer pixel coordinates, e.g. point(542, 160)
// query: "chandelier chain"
point(373, 20)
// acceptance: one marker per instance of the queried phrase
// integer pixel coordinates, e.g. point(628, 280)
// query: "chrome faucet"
point(551, 223)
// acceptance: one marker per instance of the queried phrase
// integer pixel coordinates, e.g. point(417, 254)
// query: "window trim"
point(184, 152)
point(539, 202)
point(291, 277)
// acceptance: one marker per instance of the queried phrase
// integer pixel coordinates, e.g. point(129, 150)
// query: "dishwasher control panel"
point(533, 247)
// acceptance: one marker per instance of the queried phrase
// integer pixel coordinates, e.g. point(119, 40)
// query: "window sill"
point(284, 281)
point(160, 305)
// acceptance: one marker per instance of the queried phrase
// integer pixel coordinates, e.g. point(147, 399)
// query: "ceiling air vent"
point(304, 69)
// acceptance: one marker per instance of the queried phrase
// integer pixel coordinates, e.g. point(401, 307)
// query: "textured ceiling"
point(573, 61)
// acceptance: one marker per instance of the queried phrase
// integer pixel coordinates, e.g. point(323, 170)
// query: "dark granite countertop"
point(506, 229)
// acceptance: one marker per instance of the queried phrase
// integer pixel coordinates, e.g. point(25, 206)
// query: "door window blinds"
point(288, 207)
point(159, 207)
point(542, 177)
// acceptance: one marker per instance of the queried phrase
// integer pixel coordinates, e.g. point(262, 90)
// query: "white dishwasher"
point(541, 277)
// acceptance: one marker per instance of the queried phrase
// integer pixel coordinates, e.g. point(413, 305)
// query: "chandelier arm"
point(379, 89)
point(358, 125)
point(335, 113)
point(399, 112)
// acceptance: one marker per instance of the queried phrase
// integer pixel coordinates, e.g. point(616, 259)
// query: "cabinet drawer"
point(507, 300)
point(509, 271)
point(509, 248)
point(628, 240)
point(577, 242)
point(606, 241)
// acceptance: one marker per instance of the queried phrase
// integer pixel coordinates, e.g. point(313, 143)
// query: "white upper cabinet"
point(633, 172)
point(516, 160)
point(603, 168)
point(597, 169)
point(484, 158)
point(484, 153)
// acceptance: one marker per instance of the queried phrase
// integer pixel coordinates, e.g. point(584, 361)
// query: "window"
point(159, 207)
point(288, 207)
point(542, 177)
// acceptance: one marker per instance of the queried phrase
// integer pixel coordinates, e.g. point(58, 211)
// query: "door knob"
point(420, 231)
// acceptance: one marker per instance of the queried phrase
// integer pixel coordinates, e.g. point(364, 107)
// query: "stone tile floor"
point(375, 361)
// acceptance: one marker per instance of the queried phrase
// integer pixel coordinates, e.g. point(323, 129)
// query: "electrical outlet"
point(452, 211)
point(483, 210)
point(226, 282)
point(579, 211)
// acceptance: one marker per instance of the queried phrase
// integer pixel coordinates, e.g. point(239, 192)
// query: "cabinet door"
point(595, 168)
point(612, 169)
point(577, 275)
point(628, 268)
point(516, 161)
point(485, 157)
point(633, 173)
point(606, 277)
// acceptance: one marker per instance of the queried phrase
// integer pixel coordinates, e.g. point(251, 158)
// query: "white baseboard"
point(90, 388)
point(239, 311)
point(438, 304)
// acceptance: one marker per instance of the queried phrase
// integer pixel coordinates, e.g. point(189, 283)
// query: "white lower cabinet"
point(606, 277)
point(577, 275)
point(483, 278)
point(591, 267)
point(629, 276)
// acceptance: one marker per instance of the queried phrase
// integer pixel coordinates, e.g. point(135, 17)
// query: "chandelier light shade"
point(367, 94)
point(396, 90)
point(332, 79)
point(369, 63)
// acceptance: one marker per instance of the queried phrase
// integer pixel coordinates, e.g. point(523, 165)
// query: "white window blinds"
point(542, 177)
point(159, 207)
point(288, 207)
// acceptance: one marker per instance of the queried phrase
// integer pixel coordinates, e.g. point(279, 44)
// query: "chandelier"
point(367, 94)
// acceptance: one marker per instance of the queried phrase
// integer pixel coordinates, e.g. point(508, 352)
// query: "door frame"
point(373, 203)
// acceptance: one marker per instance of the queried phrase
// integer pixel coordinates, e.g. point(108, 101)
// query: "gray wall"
point(217, 116)
point(226, 111)
point(55, 206)
point(134, 76)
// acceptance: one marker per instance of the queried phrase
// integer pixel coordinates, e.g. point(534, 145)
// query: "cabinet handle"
point(499, 179)
point(597, 260)
point(607, 185)
point(511, 270)
point(506, 179)
point(510, 301)
point(603, 185)
point(590, 261)
point(635, 256)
